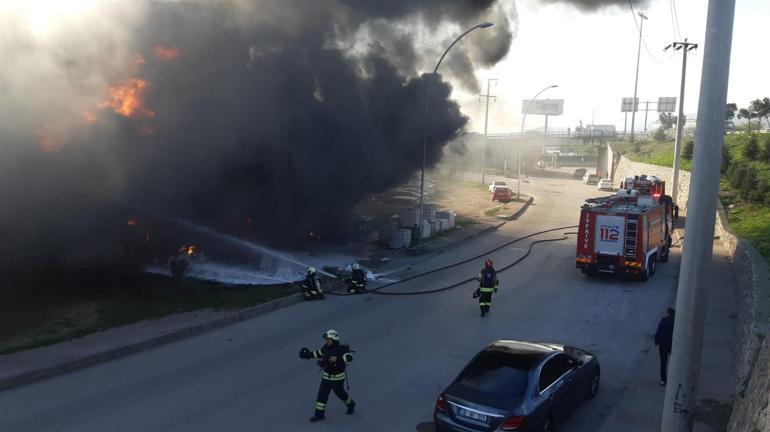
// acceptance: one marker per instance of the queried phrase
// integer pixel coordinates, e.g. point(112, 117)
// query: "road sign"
point(628, 105)
point(666, 104)
point(543, 106)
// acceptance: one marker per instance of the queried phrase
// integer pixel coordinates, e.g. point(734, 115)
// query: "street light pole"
point(521, 139)
point(427, 105)
point(636, 80)
point(486, 123)
point(684, 365)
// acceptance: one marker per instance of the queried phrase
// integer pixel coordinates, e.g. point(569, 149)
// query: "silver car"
point(517, 386)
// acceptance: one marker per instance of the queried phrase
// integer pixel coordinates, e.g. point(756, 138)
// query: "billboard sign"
point(628, 105)
point(543, 106)
point(666, 104)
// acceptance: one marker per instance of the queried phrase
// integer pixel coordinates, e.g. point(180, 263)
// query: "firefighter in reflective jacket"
point(357, 280)
point(333, 359)
point(488, 283)
point(311, 286)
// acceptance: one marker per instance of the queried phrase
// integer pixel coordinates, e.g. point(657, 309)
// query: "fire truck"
point(627, 233)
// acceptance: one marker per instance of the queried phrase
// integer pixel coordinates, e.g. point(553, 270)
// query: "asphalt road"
point(248, 376)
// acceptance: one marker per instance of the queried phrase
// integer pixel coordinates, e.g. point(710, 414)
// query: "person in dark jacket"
point(311, 286)
point(488, 283)
point(333, 358)
point(663, 338)
point(357, 280)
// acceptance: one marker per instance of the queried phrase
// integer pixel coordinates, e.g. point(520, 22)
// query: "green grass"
point(752, 223)
point(651, 152)
point(165, 297)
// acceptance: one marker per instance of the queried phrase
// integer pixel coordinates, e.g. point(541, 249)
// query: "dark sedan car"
point(517, 386)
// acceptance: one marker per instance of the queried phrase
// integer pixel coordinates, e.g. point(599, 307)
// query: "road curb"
point(153, 342)
point(515, 215)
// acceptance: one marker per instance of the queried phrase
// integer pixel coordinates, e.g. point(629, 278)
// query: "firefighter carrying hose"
point(357, 280)
point(488, 283)
point(333, 358)
point(311, 286)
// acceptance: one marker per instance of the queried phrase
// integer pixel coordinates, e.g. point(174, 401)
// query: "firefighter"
point(357, 280)
point(311, 286)
point(333, 358)
point(488, 283)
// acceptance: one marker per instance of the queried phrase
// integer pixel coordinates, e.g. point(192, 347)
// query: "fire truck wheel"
point(653, 264)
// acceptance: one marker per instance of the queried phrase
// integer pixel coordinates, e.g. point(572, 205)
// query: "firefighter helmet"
point(332, 334)
point(310, 270)
point(356, 266)
point(488, 263)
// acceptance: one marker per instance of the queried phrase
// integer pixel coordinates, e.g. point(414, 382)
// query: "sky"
point(592, 58)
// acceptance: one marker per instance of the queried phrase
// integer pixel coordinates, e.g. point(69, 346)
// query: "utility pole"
point(685, 47)
point(684, 364)
point(625, 125)
point(646, 110)
point(636, 80)
point(486, 122)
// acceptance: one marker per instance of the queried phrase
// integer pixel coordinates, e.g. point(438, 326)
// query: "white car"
point(495, 184)
point(590, 179)
point(605, 184)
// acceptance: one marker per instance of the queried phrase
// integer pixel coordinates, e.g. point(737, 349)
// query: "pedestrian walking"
point(488, 284)
point(311, 286)
point(663, 338)
point(333, 358)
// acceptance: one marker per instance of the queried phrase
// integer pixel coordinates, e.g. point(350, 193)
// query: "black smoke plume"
point(279, 114)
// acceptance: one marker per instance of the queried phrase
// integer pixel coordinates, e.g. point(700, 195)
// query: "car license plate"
point(472, 415)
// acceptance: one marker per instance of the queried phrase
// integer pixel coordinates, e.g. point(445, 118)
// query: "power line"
point(644, 42)
point(676, 18)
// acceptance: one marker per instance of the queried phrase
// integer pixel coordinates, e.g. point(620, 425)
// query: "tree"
point(748, 183)
point(751, 150)
point(730, 111)
point(761, 109)
point(660, 134)
point(689, 146)
point(748, 114)
point(667, 120)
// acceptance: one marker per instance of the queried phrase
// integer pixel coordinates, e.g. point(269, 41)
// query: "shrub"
point(689, 146)
point(660, 135)
point(751, 150)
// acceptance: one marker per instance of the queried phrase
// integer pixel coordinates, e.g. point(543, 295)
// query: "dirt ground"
point(470, 200)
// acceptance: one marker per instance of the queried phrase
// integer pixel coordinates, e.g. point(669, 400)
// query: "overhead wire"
point(644, 42)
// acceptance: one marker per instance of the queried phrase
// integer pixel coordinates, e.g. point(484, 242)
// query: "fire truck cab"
point(626, 233)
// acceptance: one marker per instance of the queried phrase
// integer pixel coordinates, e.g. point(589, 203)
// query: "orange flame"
point(131, 222)
point(126, 98)
point(189, 250)
point(89, 117)
point(164, 52)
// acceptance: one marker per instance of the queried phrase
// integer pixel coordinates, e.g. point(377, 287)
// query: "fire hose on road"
point(465, 261)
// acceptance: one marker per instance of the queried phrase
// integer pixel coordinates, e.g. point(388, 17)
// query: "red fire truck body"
point(625, 233)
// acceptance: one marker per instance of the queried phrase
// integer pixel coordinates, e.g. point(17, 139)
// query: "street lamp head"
point(485, 24)
point(554, 86)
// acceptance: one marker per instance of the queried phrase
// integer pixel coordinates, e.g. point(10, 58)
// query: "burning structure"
point(281, 113)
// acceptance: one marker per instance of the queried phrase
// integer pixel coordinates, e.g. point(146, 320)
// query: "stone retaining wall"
point(750, 408)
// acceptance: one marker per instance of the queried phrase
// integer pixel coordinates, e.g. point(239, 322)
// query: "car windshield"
point(500, 189)
point(498, 183)
point(498, 373)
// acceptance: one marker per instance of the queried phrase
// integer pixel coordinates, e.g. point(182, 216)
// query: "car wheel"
point(594, 389)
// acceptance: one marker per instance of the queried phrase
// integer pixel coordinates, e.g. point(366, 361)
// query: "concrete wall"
point(751, 406)
point(627, 168)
